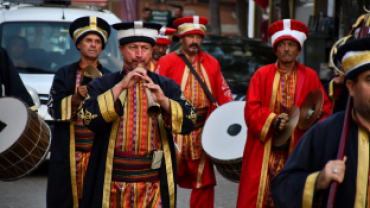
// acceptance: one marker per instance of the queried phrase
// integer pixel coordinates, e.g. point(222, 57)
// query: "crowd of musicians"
point(106, 151)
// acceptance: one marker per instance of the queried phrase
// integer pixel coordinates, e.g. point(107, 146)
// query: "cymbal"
point(88, 74)
point(286, 133)
point(310, 108)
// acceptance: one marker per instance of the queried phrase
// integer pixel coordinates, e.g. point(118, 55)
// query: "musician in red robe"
point(272, 90)
point(161, 45)
point(195, 171)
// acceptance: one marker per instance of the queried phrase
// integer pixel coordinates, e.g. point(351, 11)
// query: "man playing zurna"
point(195, 169)
point(273, 89)
point(161, 45)
point(308, 173)
point(133, 162)
point(72, 141)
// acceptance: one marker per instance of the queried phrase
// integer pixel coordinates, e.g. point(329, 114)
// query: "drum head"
point(14, 114)
point(225, 132)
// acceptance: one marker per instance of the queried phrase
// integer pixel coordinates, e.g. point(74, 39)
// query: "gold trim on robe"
point(267, 126)
point(177, 117)
point(66, 108)
point(168, 160)
point(106, 106)
point(362, 168)
point(309, 190)
point(72, 163)
point(267, 149)
point(109, 164)
point(200, 170)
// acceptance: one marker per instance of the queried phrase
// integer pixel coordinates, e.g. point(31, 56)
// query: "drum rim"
point(27, 123)
point(201, 139)
point(37, 164)
point(13, 145)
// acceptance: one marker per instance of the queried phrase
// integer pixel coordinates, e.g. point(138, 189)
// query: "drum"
point(224, 137)
point(24, 139)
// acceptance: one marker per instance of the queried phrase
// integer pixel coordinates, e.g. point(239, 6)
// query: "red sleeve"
point(223, 92)
point(257, 116)
point(162, 66)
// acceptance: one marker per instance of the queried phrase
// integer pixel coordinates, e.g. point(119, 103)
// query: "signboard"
point(161, 16)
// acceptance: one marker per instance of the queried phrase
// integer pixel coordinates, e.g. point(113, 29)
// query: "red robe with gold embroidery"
point(173, 66)
point(259, 114)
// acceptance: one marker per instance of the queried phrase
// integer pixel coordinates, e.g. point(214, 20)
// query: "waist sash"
point(128, 167)
point(201, 117)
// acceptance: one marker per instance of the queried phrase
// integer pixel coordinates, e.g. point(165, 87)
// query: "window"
point(44, 47)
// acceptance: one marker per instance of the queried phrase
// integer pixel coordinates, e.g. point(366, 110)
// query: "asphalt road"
point(30, 192)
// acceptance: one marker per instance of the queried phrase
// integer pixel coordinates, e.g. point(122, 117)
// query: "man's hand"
point(132, 78)
point(339, 80)
point(284, 117)
point(333, 171)
point(82, 90)
point(321, 114)
point(79, 96)
point(157, 93)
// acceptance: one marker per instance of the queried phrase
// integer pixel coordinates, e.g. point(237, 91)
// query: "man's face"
point(146, 15)
point(90, 46)
point(191, 43)
point(17, 48)
point(287, 51)
point(360, 92)
point(159, 50)
point(135, 53)
point(178, 13)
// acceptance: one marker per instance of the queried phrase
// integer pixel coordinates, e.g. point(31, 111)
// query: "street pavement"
point(30, 192)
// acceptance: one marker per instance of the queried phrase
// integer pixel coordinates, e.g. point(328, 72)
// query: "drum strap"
point(196, 75)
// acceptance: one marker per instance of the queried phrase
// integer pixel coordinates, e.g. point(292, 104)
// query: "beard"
point(158, 55)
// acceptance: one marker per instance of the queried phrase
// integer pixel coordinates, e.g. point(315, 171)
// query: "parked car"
point(43, 32)
point(239, 58)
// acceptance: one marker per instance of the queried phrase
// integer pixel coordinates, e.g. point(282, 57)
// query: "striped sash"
point(128, 167)
point(201, 117)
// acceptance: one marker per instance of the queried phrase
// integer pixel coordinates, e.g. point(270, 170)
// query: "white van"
point(44, 29)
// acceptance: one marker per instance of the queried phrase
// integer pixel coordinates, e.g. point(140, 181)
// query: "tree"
point(214, 6)
point(241, 17)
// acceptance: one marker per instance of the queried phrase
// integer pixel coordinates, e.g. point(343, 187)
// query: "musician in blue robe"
point(71, 141)
point(306, 177)
point(10, 81)
point(133, 163)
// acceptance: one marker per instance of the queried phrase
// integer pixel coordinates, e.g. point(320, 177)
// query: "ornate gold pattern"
point(192, 116)
point(86, 117)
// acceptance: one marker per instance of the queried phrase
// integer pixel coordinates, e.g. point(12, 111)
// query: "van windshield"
point(44, 47)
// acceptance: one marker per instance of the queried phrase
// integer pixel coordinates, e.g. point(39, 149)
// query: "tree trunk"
point(241, 17)
point(346, 18)
point(214, 6)
point(284, 11)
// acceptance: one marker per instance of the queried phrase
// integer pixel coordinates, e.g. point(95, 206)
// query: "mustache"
point(194, 44)
point(286, 54)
